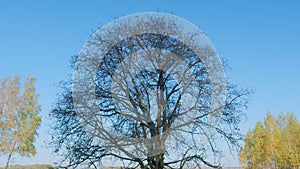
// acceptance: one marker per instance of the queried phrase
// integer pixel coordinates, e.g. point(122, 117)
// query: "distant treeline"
point(37, 166)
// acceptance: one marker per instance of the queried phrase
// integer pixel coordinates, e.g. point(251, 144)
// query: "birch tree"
point(273, 144)
point(19, 117)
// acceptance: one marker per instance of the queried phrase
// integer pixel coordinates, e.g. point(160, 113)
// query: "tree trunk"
point(159, 162)
point(9, 156)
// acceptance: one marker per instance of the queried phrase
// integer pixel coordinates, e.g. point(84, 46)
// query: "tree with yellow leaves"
point(19, 117)
point(273, 144)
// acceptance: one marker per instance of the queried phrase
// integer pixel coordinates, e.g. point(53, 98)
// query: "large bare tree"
point(148, 90)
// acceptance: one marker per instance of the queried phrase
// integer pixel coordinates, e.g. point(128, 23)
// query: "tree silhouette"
point(147, 98)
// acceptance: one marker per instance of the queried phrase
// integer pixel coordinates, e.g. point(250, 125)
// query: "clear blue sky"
point(260, 40)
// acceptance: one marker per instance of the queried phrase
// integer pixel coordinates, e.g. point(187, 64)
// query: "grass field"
point(41, 166)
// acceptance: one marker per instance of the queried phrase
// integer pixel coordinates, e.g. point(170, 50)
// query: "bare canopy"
point(148, 90)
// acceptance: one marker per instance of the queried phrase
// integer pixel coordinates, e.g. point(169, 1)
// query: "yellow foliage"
point(273, 144)
point(19, 116)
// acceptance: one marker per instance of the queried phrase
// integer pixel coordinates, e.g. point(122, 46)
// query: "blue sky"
point(260, 41)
